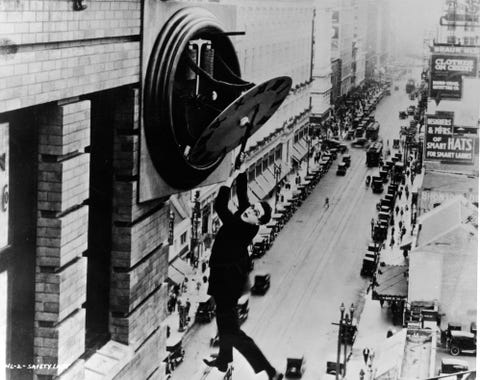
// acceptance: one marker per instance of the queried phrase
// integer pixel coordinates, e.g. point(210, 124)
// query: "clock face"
point(226, 131)
point(194, 97)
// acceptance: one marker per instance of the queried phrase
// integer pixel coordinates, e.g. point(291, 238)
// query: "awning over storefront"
point(175, 277)
point(392, 282)
point(299, 151)
point(257, 189)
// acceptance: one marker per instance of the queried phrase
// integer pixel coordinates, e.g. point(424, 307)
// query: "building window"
point(183, 238)
point(278, 152)
point(251, 173)
point(265, 162)
point(258, 168)
point(271, 157)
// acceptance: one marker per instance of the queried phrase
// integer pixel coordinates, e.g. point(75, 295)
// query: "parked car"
point(206, 310)
point(359, 143)
point(449, 365)
point(347, 159)
point(261, 283)
point(461, 341)
point(243, 308)
point(402, 115)
point(175, 353)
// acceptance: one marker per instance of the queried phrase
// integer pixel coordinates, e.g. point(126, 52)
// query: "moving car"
point(347, 159)
point(377, 185)
point(342, 168)
point(261, 284)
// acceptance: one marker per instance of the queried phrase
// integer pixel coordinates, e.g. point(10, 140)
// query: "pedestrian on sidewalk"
point(397, 209)
point(229, 273)
point(327, 203)
point(392, 242)
point(400, 224)
point(372, 224)
point(366, 354)
point(401, 212)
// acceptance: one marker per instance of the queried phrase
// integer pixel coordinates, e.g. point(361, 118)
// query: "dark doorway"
point(100, 220)
point(17, 259)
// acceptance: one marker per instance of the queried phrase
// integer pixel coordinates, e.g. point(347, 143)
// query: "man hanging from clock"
point(229, 264)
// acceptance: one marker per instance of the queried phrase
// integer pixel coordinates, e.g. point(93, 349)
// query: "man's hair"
point(265, 218)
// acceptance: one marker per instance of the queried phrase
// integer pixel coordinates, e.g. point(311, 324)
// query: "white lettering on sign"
point(451, 64)
point(464, 144)
point(435, 121)
point(446, 85)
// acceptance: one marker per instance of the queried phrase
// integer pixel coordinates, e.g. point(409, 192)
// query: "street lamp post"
point(309, 142)
point(277, 171)
point(347, 330)
point(339, 343)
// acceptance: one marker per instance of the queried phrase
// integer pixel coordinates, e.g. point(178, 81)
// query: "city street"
point(314, 264)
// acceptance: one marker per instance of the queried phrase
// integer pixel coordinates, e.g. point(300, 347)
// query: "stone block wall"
point(50, 52)
point(62, 228)
point(138, 290)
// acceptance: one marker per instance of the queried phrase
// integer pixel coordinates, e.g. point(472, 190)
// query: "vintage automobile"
point(175, 353)
point(332, 368)
point(206, 310)
point(342, 168)
point(243, 308)
point(449, 365)
point(261, 283)
point(342, 148)
point(396, 144)
point(377, 185)
point(461, 341)
point(347, 159)
point(411, 110)
point(359, 143)
point(333, 152)
point(402, 115)
point(295, 368)
point(369, 265)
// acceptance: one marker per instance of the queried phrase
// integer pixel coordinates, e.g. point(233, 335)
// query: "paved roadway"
point(314, 264)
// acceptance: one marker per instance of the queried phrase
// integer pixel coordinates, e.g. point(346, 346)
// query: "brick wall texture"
point(49, 52)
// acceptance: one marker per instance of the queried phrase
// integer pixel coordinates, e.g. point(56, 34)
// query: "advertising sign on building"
point(442, 144)
point(446, 74)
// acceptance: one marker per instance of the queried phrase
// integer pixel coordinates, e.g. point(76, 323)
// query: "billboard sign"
point(446, 74)
point(442, 144)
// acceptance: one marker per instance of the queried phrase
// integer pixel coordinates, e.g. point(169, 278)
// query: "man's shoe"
point(213, 363)
point(277, 376)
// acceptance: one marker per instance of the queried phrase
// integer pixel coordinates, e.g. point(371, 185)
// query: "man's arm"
point(241, 184)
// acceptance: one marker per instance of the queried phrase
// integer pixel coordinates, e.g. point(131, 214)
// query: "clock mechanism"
point(194, 98)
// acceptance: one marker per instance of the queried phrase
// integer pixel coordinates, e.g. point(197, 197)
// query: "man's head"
point(258, 213)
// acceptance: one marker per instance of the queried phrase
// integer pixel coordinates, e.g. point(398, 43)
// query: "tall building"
point(322, 70)
point(346, 26)
point(359, 41)
point(371, 54)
